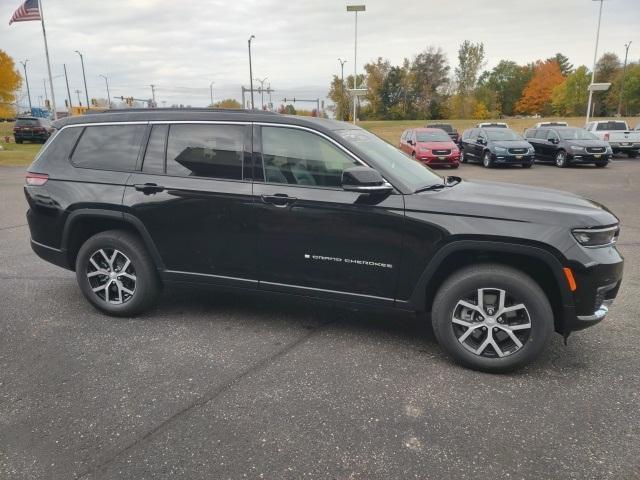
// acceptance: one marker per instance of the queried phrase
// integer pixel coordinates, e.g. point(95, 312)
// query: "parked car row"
point(494, 143)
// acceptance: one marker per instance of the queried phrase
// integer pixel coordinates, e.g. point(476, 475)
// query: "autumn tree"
point(10, 83)
point(507, 80)
point(537, 95)
point(228, 103)
point(340, 97)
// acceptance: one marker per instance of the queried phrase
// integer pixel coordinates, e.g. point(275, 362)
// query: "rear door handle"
point(279, 200)
point(148, 188)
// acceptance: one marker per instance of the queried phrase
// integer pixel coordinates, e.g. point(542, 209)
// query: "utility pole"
point(595, 57)
point(356, 9)
point(46, 95)
point(262, 90)
point(211, 92)
point(66, 79)
point(108, 94)
point(269, 90)
point(251, 71)
point(153, 95)
point(342, 62)
point(26, 79)
point(84, 77)
point(624, 73)
point(79, 101)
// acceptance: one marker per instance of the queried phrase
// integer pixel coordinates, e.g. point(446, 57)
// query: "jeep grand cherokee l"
point(496, 146)
point(134, 201)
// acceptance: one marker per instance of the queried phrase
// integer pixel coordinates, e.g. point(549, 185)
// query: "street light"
point(211, 92)
point(26, 79)
point(250, 71)
point(262, 90)
point(595, 57)
point(342, 62)
point(84, 77)
point(624, 73)
point(355, 8)
point(106, 81)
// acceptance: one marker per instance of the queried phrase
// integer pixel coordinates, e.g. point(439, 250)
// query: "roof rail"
point(177, 109)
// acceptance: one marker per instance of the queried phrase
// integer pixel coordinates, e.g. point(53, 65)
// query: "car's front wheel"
point(486, 160)
point(463, 158)
point(492, 317)
point(561, 159)
point(116, 273)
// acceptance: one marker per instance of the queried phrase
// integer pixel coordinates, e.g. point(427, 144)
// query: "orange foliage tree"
point(537, 95)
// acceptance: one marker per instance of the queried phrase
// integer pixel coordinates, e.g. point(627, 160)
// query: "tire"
point(463, 158)
point(125, 295)
point(528, 165)
point(601, 164)
point(487, 162)
point(632, 154)
point(520, 290)
point(18, 141)
point(561, 159)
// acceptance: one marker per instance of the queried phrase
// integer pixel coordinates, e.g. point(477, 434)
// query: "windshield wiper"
point(447, 182)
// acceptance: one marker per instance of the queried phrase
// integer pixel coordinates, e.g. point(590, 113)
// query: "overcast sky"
point(181, 46)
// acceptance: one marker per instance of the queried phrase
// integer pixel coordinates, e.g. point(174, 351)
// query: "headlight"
point(500, 150)
point(609, 150)
point(596, 237)
point(577, 149)
point(424, 149)
point(531, 151)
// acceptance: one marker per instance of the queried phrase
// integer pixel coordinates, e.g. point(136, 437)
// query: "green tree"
point(376, 75)
point(228, 103)
point(508, 80)
point(10, 82)
point(429, 75)
point(471, 59)
point(340, 97)
point(566, 67)
point(631, 94)
point(570, 97)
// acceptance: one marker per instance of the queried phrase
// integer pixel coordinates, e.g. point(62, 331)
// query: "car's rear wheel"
point(487, 160)
point(561, 159)
point(601, 164)
point(116, 273)
point(492, 317)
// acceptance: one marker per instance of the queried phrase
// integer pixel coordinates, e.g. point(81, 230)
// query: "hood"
point(438, 145)
point(587, 143)
point(510, 144)
point(518, 202)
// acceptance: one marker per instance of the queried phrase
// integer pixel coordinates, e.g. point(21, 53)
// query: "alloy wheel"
point(112, 276)
point(491, 323)
point(486, 160)
point(561, 159)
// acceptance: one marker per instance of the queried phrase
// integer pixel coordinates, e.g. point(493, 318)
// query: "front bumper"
point(440, 161)
point(511, 159)
point(589, 157)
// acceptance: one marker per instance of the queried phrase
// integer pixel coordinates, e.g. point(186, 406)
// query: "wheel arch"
point(83, 223)
point(541, 264)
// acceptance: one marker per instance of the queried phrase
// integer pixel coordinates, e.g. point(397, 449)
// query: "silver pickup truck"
point(618, 134)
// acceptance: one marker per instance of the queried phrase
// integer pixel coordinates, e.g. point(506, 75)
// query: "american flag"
point(26, 12)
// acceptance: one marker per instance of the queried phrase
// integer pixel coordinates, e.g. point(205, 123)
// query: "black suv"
point(447, 127)
point(568, 145)
point(33, 129)
point(495, 146)
point(133, 201)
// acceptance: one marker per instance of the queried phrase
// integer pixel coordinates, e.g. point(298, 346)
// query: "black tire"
point(18, 141)
point(145, 288)
point(601, 164)
point(517, 286)
point(632, 154)
point(561, 159)
point(463, 158)
point(528, 165)
point(487, 161)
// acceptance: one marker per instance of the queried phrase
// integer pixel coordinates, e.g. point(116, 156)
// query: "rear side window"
point(57, 148)
point(542, 134)
point(109, 147)
point(214, 151)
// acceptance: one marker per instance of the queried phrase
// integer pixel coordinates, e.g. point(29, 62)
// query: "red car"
point(430, 146)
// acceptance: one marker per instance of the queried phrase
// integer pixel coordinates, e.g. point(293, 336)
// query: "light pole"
point(66, 80)
point(211, 92)
point(153, 96)
point(262, 90)
point(106, 81)
point(46, 95)
point(355, 8)
point(84, 77)
point(342, 62)
point(595, 57)
point(79, 101)
point(624, 72)
point(250, 71)
point(26, 79)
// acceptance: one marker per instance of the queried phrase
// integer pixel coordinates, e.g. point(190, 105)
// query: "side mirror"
point(364, 180)
point(410, 142)
point(555, 141)
point(480, 141)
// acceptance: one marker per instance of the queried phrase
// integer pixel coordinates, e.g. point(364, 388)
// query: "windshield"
point(441, 126)
point(503, 135)
point(414, 174)
point(435, 136)
point(576, 134)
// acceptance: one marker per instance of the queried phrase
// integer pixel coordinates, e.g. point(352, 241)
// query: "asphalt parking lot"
point(235, 386)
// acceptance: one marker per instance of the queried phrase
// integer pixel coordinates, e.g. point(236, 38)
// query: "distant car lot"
point(223, 385)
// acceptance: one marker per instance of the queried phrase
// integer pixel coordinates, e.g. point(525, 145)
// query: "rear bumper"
point(622, 147)
point(51, 255)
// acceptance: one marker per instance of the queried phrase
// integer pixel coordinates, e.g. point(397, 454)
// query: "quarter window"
point(302, 158)
point(154, 156)
point(214, 151)
point(109, 147)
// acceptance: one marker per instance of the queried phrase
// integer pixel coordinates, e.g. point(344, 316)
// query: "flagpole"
point(46, 51)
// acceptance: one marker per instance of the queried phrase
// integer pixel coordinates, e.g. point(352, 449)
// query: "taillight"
point(37, 179)
point(606, 137)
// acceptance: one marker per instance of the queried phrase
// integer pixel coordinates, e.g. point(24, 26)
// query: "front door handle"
point(279, 200)
point(148, 188)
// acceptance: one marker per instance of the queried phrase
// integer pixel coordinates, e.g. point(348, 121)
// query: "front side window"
point(109, 147)
point(298, 157)
point(214, 151)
